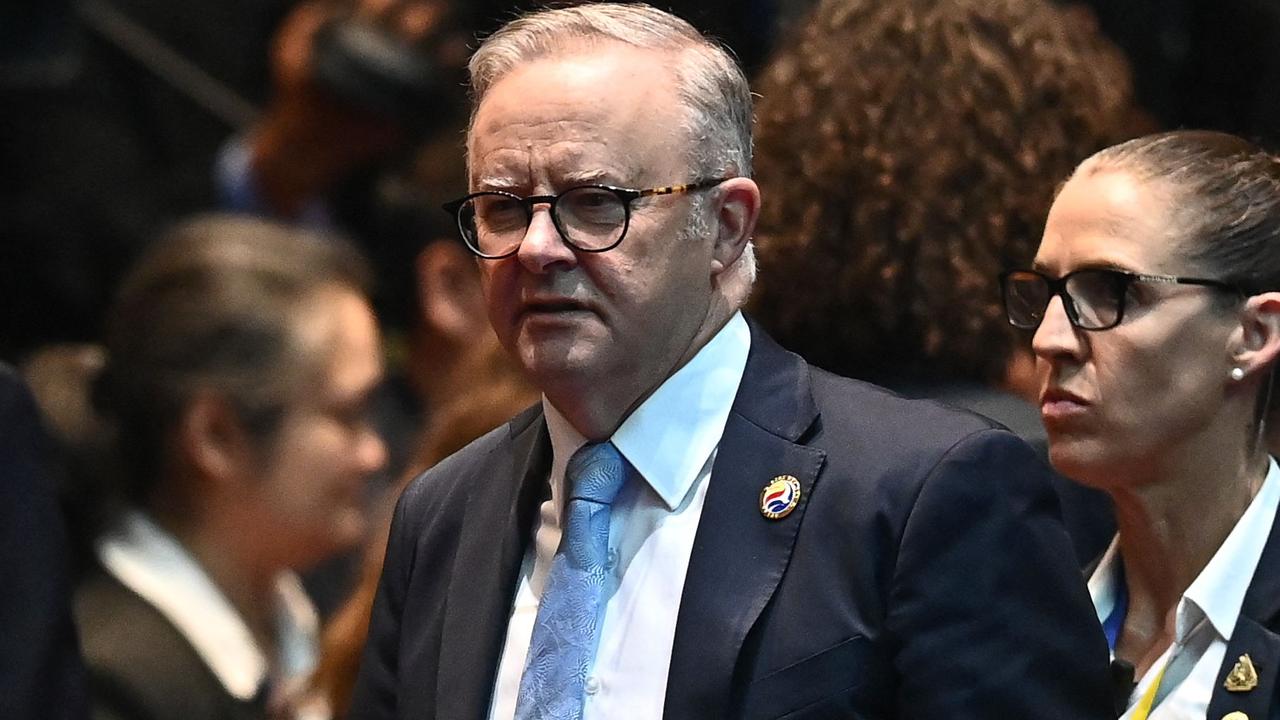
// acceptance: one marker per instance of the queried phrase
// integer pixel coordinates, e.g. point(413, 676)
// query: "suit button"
point(592, 686)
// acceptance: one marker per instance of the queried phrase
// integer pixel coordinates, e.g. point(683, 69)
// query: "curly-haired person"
point(909, 150)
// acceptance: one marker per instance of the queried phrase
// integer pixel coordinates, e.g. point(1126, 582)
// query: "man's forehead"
point(586, 118)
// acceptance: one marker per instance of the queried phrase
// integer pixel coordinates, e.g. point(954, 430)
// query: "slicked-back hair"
point(214, 305)
point(1225, 200)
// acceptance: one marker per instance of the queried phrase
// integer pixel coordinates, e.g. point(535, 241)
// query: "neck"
point(1171, 522)
point(596, 407)
point(245, 580)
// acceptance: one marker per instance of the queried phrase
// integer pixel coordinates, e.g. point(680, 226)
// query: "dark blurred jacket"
point(41, 676)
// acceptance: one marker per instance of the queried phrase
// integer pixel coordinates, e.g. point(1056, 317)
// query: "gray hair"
point(710, 83)
point(712, 86)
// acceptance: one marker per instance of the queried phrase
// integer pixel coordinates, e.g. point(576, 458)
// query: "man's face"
point(618, 321)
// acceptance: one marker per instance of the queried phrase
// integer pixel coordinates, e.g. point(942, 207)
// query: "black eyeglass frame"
point(1122, 279)
point(625, 195)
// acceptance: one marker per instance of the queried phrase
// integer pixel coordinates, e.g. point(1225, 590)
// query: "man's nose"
point(543, 247)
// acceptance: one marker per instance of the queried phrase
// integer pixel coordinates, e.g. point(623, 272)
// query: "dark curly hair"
point(908, 151)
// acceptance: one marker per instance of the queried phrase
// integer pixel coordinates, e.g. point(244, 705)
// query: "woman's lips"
point(1059, 406)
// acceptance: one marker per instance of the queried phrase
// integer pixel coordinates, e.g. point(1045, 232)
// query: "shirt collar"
point(1217, 593)
point(669, 438)
point(1104, 583)
point(153, 564)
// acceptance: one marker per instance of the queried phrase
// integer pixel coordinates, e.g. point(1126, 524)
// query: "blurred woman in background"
point(241, 355)
point(1155, 299)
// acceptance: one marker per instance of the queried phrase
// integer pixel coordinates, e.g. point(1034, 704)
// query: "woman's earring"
point(1237, 374)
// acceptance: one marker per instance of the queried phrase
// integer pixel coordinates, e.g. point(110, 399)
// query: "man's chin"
point(553, 361)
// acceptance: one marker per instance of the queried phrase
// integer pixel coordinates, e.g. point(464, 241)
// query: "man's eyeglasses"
point(590, 218)
point(1094, 298)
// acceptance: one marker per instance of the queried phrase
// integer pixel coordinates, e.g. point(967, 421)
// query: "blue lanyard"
point(1115, 619)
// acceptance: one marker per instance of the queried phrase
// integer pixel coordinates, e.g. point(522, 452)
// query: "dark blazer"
point(41, 677)
point(1257, 633)
point(924, 574)
point(141, 667)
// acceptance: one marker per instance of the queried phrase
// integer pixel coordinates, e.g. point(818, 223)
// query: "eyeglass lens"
point(590, 218)
point(1094, 298)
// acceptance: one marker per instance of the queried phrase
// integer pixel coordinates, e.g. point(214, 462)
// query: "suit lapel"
point(1255, 635)
point(1263, 648)
point(499, 515)
point(739, 556)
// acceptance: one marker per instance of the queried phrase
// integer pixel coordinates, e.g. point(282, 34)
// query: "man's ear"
point(211, 439)
point(1257, 340)
point(737, 209)
point(449, 295)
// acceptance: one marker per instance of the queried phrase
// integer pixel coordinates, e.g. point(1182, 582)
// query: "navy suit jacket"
point(1257, 634)
point(924, 574)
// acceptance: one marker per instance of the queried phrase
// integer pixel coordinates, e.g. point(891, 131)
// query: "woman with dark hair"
point(1155, 300)
point(241, 355)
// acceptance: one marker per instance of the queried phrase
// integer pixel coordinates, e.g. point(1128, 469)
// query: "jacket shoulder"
point(139, 664)
point(880, 414)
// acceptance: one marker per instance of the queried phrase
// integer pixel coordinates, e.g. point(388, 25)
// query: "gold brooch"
point(1243, 677)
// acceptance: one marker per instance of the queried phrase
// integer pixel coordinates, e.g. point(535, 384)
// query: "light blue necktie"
point(565, 630)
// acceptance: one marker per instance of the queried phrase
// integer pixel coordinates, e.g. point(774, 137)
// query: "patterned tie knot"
point(596, 473)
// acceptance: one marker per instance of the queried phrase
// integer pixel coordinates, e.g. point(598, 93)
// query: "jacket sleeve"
point(376, 689)
point(987, 609)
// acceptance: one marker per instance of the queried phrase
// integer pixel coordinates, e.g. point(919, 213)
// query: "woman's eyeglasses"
point(1094, 298)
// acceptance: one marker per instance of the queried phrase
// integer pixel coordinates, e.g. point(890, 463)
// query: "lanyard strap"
point(1143, 708)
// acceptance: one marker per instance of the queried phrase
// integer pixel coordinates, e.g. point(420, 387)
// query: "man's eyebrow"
point(581, 177)
point(496, 183)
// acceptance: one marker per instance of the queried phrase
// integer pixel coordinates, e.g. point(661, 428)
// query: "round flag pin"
point(780, 497)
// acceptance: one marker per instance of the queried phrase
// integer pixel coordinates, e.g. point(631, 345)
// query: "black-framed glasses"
point(590, 218)
point(1094, 298)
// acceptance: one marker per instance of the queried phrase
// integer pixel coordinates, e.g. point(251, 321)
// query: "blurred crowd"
point(228, 291)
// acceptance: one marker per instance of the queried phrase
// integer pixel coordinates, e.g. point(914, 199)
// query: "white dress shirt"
point(1207, 612)
point(153, 564)
point(671, 440)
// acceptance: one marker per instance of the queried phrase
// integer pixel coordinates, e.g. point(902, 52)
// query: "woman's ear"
point(738, 208)
point(1257, 340)
point(211, 440)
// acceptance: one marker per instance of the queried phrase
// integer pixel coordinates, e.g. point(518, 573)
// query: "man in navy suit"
point(785, 542)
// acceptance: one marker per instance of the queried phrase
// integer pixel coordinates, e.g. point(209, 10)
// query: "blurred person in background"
point(910, 151)
point(41, 675)
point(165, 109)
point(1155, 300)
point(241, 355)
